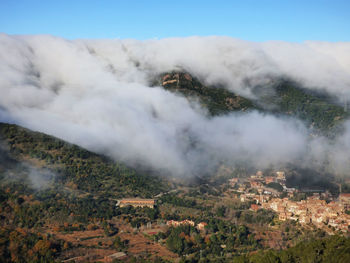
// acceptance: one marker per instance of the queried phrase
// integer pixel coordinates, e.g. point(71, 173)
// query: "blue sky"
point(256, 20)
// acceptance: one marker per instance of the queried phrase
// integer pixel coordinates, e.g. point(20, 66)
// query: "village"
point(331, 215)
point(319, 208)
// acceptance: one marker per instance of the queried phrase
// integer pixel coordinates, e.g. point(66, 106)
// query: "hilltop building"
point(281, 176)
point(345, 200)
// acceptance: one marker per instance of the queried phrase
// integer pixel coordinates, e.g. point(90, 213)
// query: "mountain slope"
point(78, 168)
point(316, 110)
point(331, 249)
point(57, 200)
point(284, 97)
point(218, 101)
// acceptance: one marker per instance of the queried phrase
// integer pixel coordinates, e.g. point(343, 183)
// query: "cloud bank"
point(97, 94)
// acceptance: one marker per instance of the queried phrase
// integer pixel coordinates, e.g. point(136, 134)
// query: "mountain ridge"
point(76, 166)
point(285, 98)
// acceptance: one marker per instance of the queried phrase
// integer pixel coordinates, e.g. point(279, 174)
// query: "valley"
point(62, 203)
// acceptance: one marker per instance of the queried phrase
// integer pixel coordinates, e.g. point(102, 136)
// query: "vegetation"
point(178, 201)
point(78, 168)
point(22, 246)
point(275, 186)
point(222, 238)
point(316, 110)
point(217, 100)
point(310, 179)
point(48, 184)
point(345, 188)
point(260, 217)
point(333, 249)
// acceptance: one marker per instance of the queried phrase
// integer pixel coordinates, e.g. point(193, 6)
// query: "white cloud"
point(96, 93)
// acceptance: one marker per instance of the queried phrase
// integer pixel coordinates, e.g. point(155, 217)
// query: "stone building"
point(136, 202)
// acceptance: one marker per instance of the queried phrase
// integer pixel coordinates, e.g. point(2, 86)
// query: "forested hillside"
point(50, 189)
point(50, 186)
point(58, 202)
point(218, 101)
point(78, 168)
point(334, 249)
point(281, 97)
point(318, 111)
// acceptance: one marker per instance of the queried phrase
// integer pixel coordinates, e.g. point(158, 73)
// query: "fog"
point(97, 94)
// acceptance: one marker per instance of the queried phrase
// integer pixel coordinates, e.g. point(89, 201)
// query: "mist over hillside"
point(100, 94)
